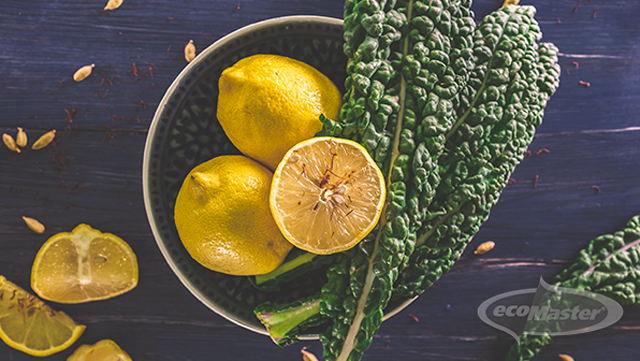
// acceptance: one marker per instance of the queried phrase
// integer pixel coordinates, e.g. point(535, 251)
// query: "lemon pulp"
point(327, 195)
point(29, 325)
point(84, 265)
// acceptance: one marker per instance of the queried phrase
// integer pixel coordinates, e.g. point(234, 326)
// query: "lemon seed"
point(83, 72)
point(44, 140)
point(485, 247)
point(21, 138)
point(190, 51)
point(10, 143)
point(113, 4)
point(565, 357)
point(308, 356)
point(33, 224)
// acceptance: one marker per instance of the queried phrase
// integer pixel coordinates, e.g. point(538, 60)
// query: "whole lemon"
point(269, 103)
point(223, 219)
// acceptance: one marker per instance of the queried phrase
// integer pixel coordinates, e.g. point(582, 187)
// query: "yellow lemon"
point(104, 350)
point(223, 219)
point(84, 265)
point(29, 325)
point(327, 195)
point(268, 103)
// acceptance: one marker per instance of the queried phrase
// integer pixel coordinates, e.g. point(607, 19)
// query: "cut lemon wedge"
point(327, 195)
point(105, 350)
point(29, 325)
point(84, 265)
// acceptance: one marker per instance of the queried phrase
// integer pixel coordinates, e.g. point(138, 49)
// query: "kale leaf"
point(446, 109)
point(610, 266)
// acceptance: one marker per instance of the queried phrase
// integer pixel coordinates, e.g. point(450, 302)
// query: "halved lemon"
point(327, 195)
point(84, 265)
point(104, 350)
point(29, 325)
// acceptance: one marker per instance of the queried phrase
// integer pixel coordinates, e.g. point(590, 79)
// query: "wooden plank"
point(93, 174)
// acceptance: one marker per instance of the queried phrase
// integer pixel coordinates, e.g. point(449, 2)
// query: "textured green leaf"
point(513, 79)
point(610, 266)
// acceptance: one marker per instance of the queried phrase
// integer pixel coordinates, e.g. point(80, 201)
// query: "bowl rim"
point(267, 23)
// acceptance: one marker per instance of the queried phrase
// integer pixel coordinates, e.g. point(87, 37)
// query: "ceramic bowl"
point(185, 133)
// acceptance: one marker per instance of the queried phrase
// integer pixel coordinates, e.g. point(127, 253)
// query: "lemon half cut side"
point(327, 195)
point(84, 265)
point(29, 325)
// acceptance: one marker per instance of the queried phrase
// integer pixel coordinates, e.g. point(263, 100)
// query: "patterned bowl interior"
point(185, 133)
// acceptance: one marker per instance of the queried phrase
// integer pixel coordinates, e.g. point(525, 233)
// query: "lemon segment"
point(223, 219)
point(268, 103)
point(84, 265)
point(327, 195)
point(29, 325)
point(104, 350)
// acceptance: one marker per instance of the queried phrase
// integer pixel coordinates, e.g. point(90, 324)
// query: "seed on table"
point(308, 356)
point(113, 4)
point(190, 51)
point(21, 138)
point(44, 140)
point(565, 357)
point(485, 247)
point(33, 224)
point(82, 73)
point(10, 143)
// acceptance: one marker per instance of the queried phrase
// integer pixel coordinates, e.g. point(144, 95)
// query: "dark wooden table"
point(93, 173)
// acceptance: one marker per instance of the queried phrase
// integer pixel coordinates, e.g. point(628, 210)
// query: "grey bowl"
point(185, 132)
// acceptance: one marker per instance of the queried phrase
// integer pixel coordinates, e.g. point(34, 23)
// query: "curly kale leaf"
point(407, 62)
point(446, 110)
point(610, 266)
point(513, 79)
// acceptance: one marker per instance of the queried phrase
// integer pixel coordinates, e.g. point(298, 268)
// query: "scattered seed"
point(82, 73)
point(593, 16)
point(21, 138)
point(113, 4)
point(44, 140)
point(576, 64)
point(565, 357)
point(308, 356)
point(535, 181)
point(10, 143)
point(596, 188)
point(543, 150)
point(414, 318)
point(33, 224)
point(584, 83)
point(190, 51)
point(485, 247)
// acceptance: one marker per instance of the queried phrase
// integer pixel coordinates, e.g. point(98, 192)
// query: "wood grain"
point(93, 173)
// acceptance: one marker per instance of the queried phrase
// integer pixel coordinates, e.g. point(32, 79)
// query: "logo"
point(548, 309)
